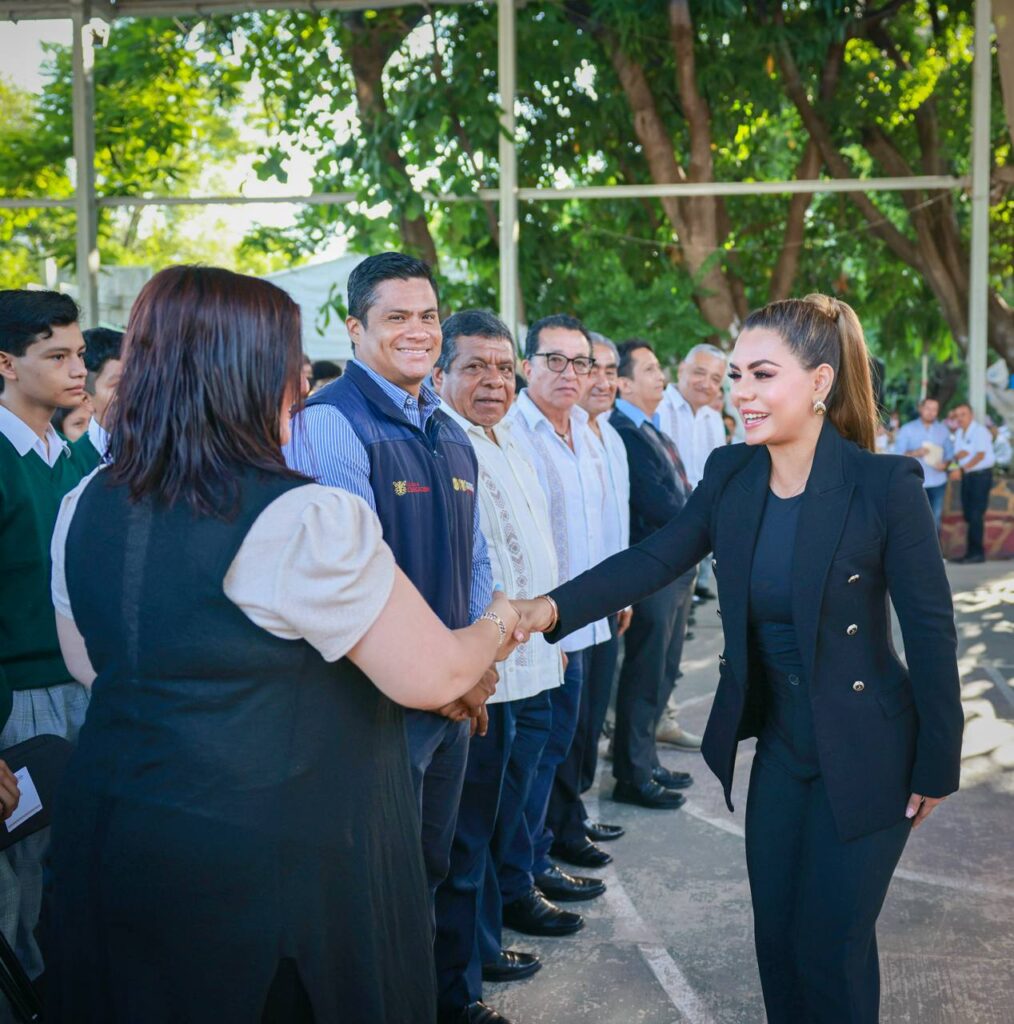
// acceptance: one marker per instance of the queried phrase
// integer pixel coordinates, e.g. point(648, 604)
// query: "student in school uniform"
point(41, 369)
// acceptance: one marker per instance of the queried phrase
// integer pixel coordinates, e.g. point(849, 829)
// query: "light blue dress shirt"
point(914, 435)
point(324, 446)
point(639, 416)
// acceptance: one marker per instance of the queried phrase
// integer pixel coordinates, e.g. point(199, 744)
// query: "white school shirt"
point(99, 437)
point(696, 435)
point(25, 440)
point(574, 485)
point(975, 439)
point(515, 521)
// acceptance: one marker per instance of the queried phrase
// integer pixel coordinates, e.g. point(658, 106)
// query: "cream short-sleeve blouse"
point(314, 566)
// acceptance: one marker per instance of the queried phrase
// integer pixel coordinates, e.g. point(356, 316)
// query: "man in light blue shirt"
point(929, 441)
point(378, 432)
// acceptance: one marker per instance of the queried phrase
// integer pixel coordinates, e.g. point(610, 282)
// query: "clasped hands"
point(521, 618)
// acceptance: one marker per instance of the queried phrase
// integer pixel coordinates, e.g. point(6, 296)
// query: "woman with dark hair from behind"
point(236, 838)
point(810, 534)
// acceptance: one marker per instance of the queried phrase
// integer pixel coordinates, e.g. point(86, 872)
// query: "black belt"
point(972, 472)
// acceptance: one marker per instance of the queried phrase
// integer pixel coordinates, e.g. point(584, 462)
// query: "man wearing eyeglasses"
point(552, 430)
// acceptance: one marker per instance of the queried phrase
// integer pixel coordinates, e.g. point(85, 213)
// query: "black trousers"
point(975, 488)
point(816, 900)
point(653, 647)
point(566, 813)
point(600, 674)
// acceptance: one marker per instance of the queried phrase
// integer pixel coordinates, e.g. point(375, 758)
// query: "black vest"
point(424, 488)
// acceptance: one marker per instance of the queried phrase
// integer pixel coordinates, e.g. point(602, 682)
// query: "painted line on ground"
point(631, 927)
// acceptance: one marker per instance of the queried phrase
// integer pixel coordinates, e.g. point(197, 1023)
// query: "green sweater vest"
point(30, 496)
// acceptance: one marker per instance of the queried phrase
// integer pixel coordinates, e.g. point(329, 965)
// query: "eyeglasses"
point(558, 362)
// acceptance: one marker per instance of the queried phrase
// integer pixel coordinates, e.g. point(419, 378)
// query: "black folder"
point(45, 757)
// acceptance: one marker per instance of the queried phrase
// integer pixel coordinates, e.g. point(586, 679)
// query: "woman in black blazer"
point(811, 533)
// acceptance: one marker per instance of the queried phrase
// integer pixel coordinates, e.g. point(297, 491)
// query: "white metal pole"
point(507, 67)
point(978, 297)
point(83, 54)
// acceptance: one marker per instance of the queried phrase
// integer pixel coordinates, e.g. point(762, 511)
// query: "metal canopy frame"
point(509, 194)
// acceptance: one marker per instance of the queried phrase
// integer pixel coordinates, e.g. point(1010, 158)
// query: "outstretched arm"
point(631, 575)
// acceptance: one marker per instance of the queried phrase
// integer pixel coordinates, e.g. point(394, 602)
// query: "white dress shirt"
point(696, 435)
point(574, 484)
point(515, 522)
point(975, 439)
point(99, 437)
point(25, 440)
point(610, 449)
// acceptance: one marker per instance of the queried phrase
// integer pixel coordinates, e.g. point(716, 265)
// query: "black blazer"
point(865, 532)
point(656, 494)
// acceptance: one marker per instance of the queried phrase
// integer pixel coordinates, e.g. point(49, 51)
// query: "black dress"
point(235, 802)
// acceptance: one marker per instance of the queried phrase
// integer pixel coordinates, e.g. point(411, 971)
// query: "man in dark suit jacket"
point(658, 491)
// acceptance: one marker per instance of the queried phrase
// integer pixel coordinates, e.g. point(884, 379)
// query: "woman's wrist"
point(554, 612)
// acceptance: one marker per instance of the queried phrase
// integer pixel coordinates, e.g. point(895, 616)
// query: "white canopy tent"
point(509, 194)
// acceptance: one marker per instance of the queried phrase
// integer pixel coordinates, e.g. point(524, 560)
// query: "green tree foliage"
point(399, 105)
point(158, 124)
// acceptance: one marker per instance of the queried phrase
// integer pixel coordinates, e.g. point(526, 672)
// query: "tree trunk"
point(696, 222)
point(368, 53)
point(1003, 22)
point(784, 275)
point(939, 253)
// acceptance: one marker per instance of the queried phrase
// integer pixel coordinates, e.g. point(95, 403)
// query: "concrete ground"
point(671, 939)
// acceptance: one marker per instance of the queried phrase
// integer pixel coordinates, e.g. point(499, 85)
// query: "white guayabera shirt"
point(574, 484)
point(696, 435)
point(515, 522)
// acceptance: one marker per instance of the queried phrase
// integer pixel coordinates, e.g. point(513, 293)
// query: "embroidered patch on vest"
point(409, 487)
point(463, 485)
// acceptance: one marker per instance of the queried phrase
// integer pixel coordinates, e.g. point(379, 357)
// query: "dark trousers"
point(652, 648)
point(459, 965)
point(437, 751)
point(511, 850)
point(566, 813)
point(566, 703)
point(815, 901)
point(600, 675)
point(975, 488)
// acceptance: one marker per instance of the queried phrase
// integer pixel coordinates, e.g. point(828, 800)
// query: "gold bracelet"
point(556, 613)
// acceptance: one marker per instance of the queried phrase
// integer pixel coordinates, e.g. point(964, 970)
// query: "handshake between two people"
point(520, 617)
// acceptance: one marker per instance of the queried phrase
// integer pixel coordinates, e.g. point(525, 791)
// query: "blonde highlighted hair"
point(821, 329)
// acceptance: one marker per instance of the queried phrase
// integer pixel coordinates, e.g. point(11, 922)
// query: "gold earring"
point(819, 408)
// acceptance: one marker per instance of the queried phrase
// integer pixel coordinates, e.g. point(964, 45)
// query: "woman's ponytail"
point(822, 329)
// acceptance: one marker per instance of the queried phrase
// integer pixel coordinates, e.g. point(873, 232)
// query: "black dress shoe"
point(671, 780)
point(648, 794)
point(581, 852)
point(533, 914)
point(558, 885)
point(474, 1013)
point(511, 965)
point(704, 594)
point(598, 832)
point(972, 560)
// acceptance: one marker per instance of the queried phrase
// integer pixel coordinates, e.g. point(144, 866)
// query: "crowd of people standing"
point(322, 760)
